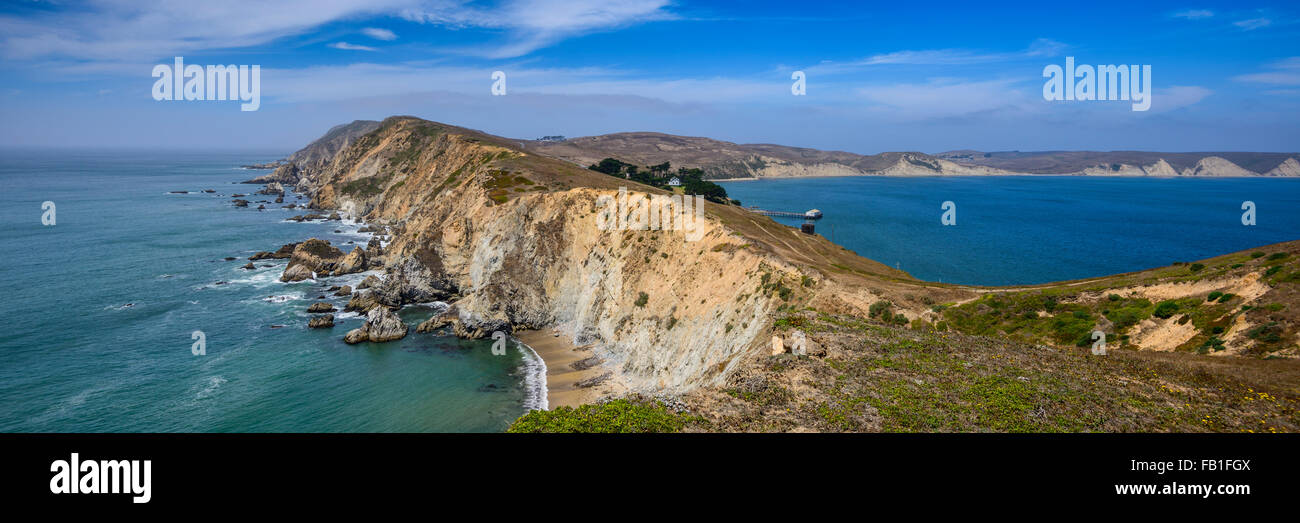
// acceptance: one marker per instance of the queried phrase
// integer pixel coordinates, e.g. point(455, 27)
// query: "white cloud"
point(1253, 23)
point(1042, 47)
point(126, 30)
point(534, 24)
point(379, 34)
point(947, 98)
point(351, 47)
point(1284, 72)
point(1177, 97)
point(1194, 14)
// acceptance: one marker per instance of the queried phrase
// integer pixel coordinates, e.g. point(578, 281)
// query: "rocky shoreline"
point(375, 298)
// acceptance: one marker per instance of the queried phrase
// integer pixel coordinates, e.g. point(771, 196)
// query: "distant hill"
point(319, 152)
point(1133, 162)
point(723, 160)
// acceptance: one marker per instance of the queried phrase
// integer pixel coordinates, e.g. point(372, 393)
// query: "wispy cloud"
point(1194, 14)
point(1177, 97)
point(1042, 47)
point(379, 34)
point(351, 47)
point(947, 98)
point(1253, 23)
point(1284, 72)
point(535, 24)
point(125, 30)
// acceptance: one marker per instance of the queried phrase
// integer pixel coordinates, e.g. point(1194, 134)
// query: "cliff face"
point(514, 240)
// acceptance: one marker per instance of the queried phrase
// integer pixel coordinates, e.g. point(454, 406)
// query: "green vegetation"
point(365, 187)
point(642, 299)
point(620, 416)
point(692, 180)
point(1165, 309)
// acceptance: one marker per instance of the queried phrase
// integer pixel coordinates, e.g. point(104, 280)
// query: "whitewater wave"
point(534, 370)
point(259, 278)
point(213, 383)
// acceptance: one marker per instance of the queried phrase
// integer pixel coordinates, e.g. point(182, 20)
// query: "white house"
point(675, 182)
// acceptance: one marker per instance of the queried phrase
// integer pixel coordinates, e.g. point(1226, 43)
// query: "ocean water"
point(102, 306)
point(1014, 230)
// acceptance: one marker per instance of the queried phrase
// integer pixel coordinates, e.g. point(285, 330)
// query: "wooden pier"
point(811, 214)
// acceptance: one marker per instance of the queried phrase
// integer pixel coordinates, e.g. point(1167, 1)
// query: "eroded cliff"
point(513, 241)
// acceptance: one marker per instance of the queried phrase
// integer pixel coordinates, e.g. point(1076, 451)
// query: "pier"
point(811, 214)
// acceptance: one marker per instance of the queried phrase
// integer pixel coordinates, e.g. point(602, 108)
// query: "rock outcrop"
point(313, 256)
point(354, 262)
point(321, 306)
point(296, 273)
point(381, 325)
point(321, 322)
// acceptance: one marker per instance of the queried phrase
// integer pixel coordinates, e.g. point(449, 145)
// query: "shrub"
point(642, 299)
point(1125, 317)
point(1213, 296)
point(1213, 344)
point(1256, 254)
point(1165, 309)
point(1277, 256)
point(1270, 333)
point(1196, 267)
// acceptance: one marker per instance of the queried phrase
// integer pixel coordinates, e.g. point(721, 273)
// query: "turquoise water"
point(1014, 230)
point(74, 356)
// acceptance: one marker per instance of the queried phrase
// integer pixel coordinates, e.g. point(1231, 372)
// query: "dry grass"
point(882, 378)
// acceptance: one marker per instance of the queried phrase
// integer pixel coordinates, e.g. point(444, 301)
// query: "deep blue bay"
point(1014, 230)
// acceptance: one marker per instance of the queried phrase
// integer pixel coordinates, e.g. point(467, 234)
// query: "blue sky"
point(881, 76)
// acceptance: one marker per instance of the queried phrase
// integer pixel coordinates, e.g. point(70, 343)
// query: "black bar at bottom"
point(189, 470)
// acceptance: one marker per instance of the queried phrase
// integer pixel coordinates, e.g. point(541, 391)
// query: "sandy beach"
point(562, 378)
